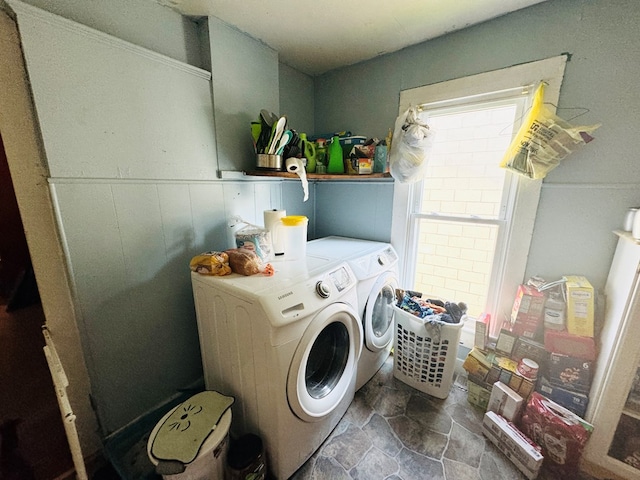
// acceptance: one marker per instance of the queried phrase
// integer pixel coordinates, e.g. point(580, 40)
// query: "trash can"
point(191, 441)
point(246, 459)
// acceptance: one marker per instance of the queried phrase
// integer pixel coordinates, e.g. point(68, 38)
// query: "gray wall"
point(135, 311)
point(585, 198)
point(143, 23)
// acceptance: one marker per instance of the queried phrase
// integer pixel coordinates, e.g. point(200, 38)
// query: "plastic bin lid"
point(181, 434)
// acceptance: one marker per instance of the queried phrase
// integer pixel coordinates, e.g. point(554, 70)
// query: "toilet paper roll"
point(296, 165)
point(271, 220)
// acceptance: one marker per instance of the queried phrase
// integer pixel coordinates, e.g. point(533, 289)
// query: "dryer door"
point(324, 365)
point(378, 313)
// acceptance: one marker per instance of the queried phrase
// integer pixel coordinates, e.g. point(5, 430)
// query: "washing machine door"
point(378, 313)
point(324, 365)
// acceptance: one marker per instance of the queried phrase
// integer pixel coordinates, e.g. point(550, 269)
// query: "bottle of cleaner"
point(308, 152)
point(336, 162)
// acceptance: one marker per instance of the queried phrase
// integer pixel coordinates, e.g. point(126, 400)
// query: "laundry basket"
point(425, 352)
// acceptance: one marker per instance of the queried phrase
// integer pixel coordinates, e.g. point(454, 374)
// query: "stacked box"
point(476, 364)
point(536, 351)
point(505, 402)
point(570, 373)
point(580, 306)
point(478, 392)
point(513, 443)
point(573, 401)
point(560, 341)
point(485, 368)
point(527, 312)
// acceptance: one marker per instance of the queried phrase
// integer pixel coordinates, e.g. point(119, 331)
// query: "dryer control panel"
point(341, 278)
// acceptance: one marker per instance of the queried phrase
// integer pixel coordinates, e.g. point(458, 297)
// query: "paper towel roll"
point(295, 165)
point(271, 219)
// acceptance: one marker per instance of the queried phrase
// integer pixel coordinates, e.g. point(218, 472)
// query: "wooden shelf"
point(320, 176)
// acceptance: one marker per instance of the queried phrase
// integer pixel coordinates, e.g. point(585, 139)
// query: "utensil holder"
point(269, 162)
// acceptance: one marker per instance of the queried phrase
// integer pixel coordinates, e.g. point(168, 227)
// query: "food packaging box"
point(580, 306)
point(477, 364)
point(365, 166)
point(478, 392)
point(481, 338)
point(522, 386)
point(575, 402)
point(561, 433)
point(524, 454)
point(506, 342)
point(505, 402)
point(570, 373)
point(573, 345)
point(528, 348)
point(527, 311)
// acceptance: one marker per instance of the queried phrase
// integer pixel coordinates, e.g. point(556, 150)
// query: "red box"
point(527, 311)
point(561, 341)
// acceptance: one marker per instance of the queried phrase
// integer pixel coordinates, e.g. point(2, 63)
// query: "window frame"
point(527, 192)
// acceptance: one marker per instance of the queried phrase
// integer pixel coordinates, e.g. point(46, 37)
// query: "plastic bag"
point(408, 152)
point(244, 262)
point(255, 238)
point(211, 263)
point(561, 433)
point(543, 140)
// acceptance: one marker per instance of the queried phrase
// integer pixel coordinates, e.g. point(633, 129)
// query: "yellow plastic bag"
point(211, 263)
point(543, 140)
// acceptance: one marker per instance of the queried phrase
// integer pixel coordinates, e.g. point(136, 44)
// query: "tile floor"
point(391, 431)
point(395, 432)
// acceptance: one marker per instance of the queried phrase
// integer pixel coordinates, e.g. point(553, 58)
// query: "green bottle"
point(336, 162)
point(308, 152)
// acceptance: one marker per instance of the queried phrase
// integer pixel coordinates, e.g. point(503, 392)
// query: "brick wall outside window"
point(463, 179)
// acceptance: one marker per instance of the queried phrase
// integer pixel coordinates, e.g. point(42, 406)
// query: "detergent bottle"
point(336, 162)
point(308, 152)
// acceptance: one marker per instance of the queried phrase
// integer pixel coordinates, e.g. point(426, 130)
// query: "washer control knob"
point(323, 289)
point(382, 260)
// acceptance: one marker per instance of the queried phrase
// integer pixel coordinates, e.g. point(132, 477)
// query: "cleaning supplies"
point(336, 162)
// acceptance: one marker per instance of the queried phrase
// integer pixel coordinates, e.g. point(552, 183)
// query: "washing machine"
point(375, 265)
point(286, 347)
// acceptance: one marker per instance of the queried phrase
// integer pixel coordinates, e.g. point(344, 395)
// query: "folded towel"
point(182, 434)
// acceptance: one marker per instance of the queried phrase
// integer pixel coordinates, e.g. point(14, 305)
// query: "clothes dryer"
point(286, 347)
point(375, 265)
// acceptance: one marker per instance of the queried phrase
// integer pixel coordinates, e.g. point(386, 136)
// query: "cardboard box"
point(570, 373)
point(506, 342)
point(580, 306)
point(505, 402)
point(481, 338)
point(575, 402)
point(527, 311)
point(528, 348)
point(560, 341)
point(365, 165)
point(476, 364)
point(513, 443)
point(522, 386)
point(478, 393)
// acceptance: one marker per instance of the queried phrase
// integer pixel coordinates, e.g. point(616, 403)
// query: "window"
point(463, 232)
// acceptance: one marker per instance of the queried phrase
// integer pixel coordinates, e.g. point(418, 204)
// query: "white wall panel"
point(207, 215)
point(110, 109)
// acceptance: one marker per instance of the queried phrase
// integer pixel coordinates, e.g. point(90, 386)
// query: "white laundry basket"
point(424, 352)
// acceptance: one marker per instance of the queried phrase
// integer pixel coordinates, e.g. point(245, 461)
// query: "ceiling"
point(317, 36)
